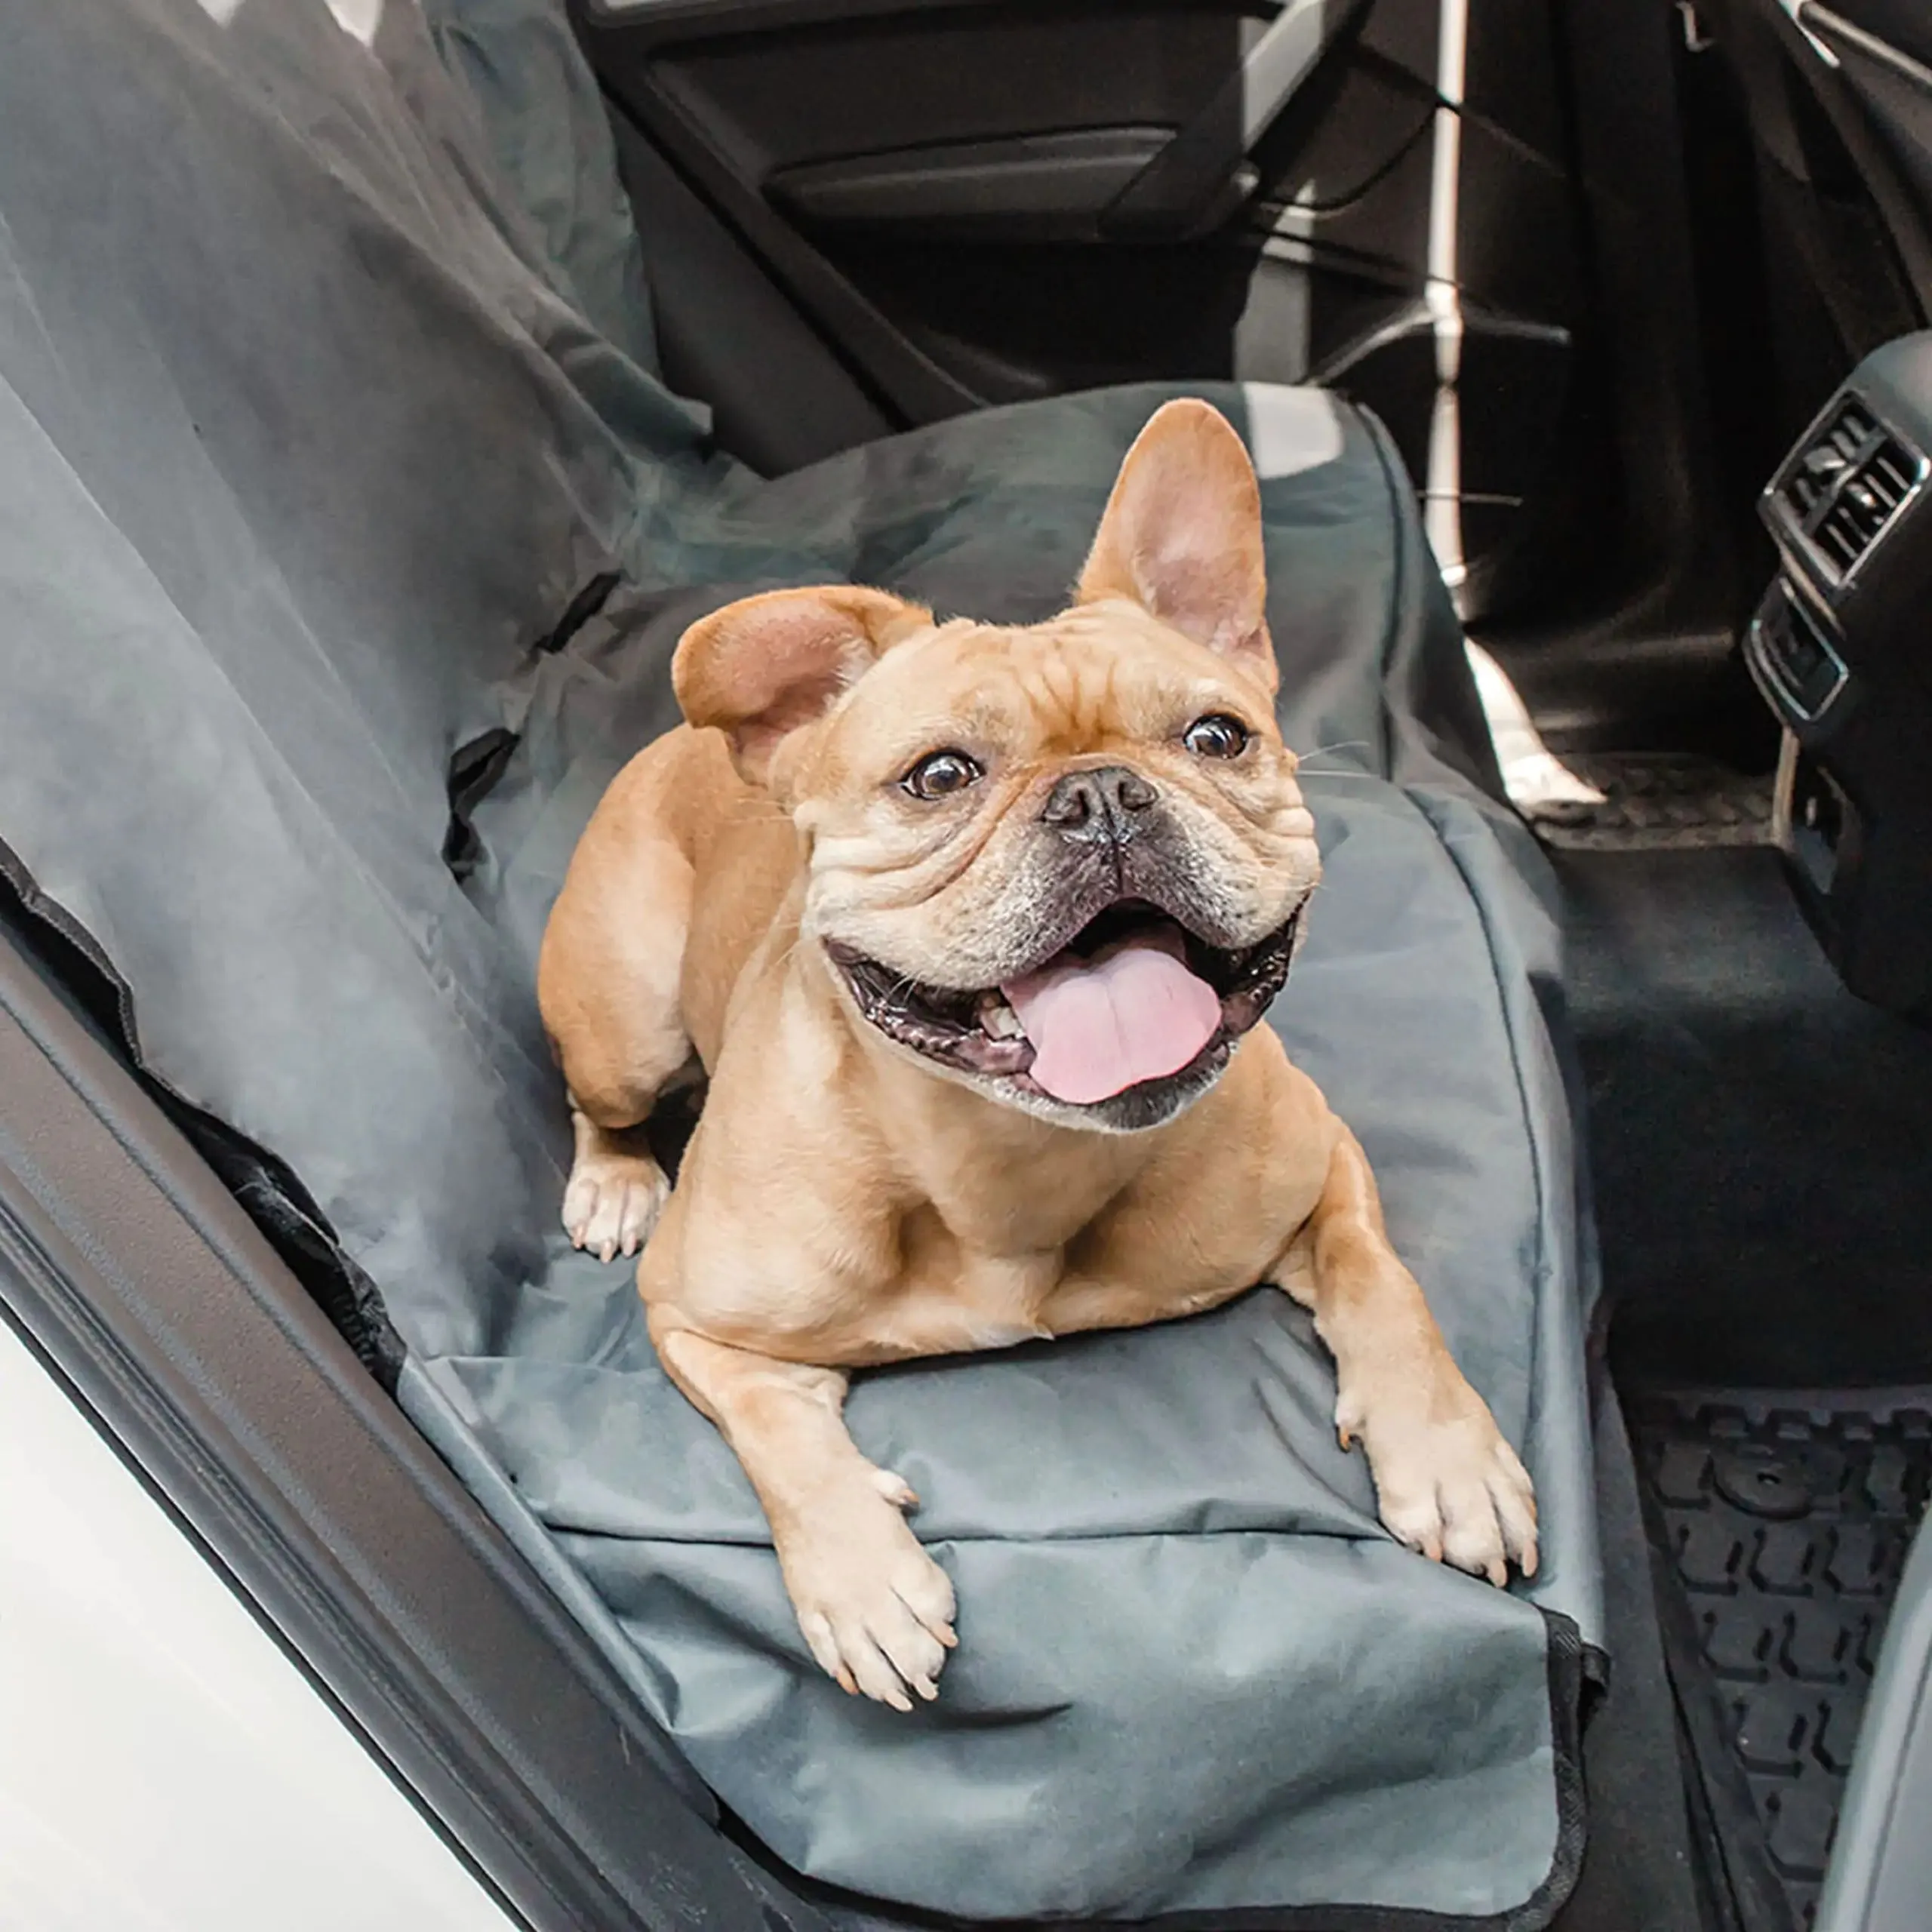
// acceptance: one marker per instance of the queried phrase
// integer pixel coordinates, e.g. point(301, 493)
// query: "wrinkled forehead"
point(1083, 679)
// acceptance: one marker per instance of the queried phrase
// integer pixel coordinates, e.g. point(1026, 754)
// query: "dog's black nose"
point(1098, 806)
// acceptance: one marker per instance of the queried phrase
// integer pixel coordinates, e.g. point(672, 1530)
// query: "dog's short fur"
point(790, 887)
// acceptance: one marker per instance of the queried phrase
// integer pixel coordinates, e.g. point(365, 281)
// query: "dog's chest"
point(953, 1293)
point(972, 1297)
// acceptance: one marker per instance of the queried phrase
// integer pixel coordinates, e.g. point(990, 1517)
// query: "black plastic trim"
point(1796, 536)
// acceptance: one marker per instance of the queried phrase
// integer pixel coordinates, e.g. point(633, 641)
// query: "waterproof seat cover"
point(330, 452)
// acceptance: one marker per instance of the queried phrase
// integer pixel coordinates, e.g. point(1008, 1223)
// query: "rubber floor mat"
point(1656, 800)
point(1784, 1519)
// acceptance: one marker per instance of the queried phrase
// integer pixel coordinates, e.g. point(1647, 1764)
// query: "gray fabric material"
point(305, 445)
point(543, 120)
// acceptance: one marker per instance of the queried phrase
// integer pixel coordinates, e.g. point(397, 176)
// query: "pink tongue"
point(1100, 1027)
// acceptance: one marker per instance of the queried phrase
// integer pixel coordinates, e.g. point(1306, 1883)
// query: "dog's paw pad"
point(1454, 1491)
point(876, 1611)
point(613, 1202)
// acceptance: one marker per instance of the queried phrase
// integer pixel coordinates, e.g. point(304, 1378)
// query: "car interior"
point(383, 388)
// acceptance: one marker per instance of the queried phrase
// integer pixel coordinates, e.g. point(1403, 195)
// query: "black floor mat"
point(1784, 1519)
point(1757, 1135)
point(1657, 800)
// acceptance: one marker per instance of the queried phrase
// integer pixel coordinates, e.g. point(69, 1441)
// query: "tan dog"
point(971, 927)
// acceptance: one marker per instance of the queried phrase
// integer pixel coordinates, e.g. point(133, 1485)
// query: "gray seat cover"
point(323, 395)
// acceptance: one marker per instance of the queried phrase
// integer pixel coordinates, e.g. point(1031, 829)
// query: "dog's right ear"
point(762, 667)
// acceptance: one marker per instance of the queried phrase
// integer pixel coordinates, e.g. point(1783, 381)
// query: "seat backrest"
point(301, 455)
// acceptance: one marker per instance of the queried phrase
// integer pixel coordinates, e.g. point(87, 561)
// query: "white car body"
point(165, 1766)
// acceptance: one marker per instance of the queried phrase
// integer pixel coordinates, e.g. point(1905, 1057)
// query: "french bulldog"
point(969, 927)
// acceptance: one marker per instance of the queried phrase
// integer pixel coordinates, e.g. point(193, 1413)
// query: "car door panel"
point(1904, 26)
point(1842, 242)
point(983, 202)
point(1883, 55)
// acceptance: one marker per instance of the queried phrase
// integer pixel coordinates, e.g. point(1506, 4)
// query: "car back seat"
point(341, 553)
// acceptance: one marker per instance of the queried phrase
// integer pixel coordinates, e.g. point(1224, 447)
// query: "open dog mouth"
point(1134, 999)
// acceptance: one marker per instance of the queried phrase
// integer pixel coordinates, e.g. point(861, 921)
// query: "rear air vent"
point(1792, 649)
point(1826, 459)
point(1866, 501)
point(1843, 487)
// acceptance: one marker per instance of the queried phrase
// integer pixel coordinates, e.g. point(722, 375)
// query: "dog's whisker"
point(1330, 751)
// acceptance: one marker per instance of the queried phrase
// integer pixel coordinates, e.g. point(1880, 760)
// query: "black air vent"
point(1866, 503)
point(1826, 459)
point(1792, 646)
point(1846, 484)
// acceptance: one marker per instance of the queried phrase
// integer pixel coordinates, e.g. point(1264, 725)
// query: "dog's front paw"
point(1447, 1483)
point(613, 1202)
point(876, 1610)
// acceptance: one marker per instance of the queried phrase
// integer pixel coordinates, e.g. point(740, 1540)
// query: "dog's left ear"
point(760, 668)
point(1182, 536)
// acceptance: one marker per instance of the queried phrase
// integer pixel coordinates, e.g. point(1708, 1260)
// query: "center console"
point(1841, 650)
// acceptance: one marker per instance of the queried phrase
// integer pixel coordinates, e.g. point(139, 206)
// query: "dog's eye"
point(939, 774)
point(1216, 735)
